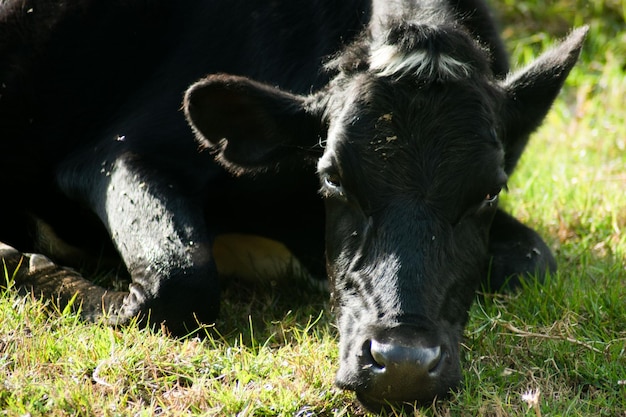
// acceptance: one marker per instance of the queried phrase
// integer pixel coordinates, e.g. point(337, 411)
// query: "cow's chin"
point(400, 367)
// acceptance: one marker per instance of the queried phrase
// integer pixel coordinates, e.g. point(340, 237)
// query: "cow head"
point(412, 151)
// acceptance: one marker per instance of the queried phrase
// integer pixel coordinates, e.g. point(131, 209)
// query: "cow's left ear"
point(531, 91)
point(252, 126)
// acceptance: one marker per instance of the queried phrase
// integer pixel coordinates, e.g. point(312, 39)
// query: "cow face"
point(411, 159)
point(409, 201)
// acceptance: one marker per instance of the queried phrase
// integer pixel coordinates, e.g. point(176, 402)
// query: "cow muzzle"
point(402, 366)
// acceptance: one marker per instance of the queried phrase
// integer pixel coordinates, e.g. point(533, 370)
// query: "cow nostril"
point(405, 360)
point(372, 359)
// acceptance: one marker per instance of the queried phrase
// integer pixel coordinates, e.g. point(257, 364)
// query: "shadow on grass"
point(260, 313)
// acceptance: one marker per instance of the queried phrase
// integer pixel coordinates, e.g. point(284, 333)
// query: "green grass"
point(565, 339)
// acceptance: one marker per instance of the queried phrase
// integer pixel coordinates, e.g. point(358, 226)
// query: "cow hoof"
point(7, 251)
point(39, 263)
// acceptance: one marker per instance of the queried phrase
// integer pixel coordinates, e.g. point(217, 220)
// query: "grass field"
point(557, 349)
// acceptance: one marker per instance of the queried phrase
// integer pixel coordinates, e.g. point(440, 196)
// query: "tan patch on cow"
point(387, 117)
point(256, 259)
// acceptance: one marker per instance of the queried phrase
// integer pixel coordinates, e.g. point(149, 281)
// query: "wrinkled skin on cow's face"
point(410, 176)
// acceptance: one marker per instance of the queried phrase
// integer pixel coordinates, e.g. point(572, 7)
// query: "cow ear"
point(531, 91)
point(252, 126)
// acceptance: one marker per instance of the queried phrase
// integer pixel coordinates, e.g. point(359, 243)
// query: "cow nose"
point(405, 361)
point(405, 365)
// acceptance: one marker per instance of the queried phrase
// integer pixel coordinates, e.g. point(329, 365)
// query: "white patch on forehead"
point(388, 60)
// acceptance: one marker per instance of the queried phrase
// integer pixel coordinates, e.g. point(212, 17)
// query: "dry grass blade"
point(525, 333)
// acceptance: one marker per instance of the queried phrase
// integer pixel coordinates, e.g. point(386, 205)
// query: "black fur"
point(95, 151)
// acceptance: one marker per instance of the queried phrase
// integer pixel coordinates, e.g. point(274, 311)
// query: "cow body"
point(79, 118)
point(410, 130)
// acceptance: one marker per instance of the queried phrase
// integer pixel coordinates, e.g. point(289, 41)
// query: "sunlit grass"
point(274, 351)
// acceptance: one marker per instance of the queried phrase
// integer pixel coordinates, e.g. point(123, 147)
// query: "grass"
point(275, 351)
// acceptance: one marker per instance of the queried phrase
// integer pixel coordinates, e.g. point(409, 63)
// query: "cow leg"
point(37, 273)
point(159, 230)
point(517, 251)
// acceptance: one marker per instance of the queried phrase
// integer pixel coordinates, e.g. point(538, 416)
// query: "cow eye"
point(332, 181)
point(492, 197)
point(331, 186)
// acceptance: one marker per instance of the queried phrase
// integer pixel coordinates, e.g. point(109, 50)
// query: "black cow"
point(402, 113)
